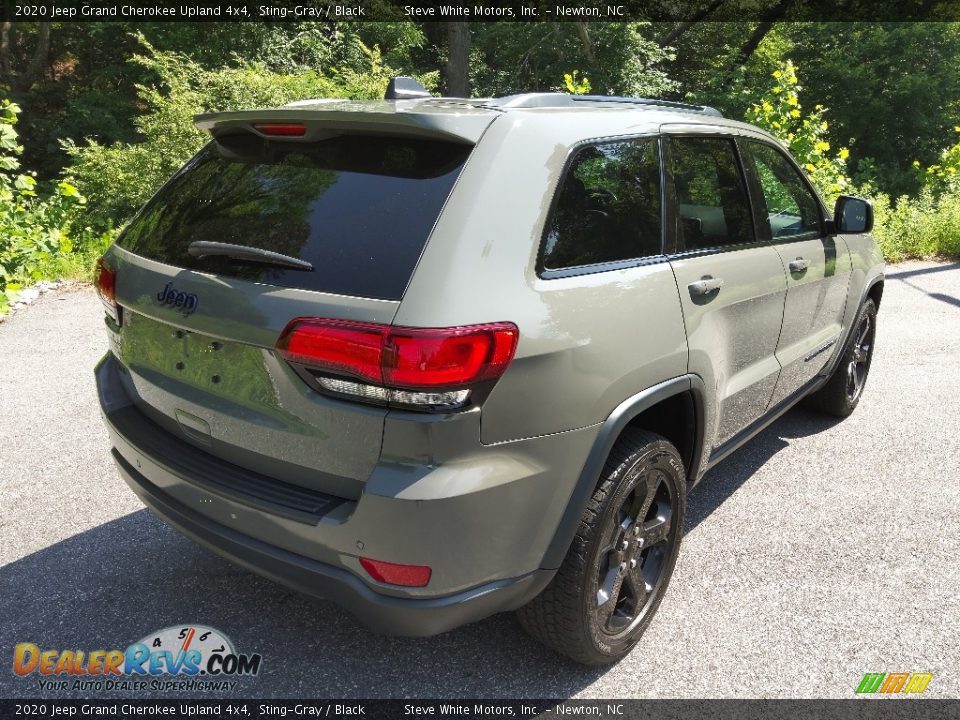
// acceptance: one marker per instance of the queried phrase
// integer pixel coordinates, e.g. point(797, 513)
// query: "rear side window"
point(359, 209)
point(711, 195)
point(608, 206)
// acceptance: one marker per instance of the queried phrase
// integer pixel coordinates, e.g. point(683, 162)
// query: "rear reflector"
point(411, 366)
point(106, 284)
point(281, 129)
point(394, 574)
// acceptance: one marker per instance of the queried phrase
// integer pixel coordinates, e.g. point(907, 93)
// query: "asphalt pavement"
point(820, 551)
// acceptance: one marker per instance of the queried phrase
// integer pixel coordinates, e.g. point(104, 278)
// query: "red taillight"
point(281, 129)
point(342, 348)
point(106, 284)
point(399, 357)
point(452, 357)
point(394, 574)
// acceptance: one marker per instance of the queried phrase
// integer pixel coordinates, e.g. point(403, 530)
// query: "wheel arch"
point(673, 408)
point(875, 291)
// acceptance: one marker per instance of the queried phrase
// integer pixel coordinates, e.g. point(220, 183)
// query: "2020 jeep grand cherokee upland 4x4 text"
point(437, 358)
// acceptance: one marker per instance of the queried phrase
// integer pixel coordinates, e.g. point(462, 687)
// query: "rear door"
point(731, 285)
point(816, 265)
point(197, 332)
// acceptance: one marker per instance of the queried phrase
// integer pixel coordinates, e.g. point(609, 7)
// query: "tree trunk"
point(587, 44)
point(21, 82)
point(458, 59)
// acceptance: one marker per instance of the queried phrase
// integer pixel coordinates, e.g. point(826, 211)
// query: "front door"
point(732, 287)
point(816, 265)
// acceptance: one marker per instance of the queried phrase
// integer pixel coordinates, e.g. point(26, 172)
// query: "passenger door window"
point(608, 206)
point(714, 209)
point(789, 209)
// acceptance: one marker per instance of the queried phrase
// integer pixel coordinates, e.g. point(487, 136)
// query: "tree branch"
point(682, 27)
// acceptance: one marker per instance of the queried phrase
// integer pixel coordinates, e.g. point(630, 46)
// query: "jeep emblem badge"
point(186, 302)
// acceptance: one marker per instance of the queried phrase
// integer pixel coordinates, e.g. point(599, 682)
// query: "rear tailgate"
point(197, 334)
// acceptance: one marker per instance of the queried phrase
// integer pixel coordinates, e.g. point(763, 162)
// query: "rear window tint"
point(359, 209)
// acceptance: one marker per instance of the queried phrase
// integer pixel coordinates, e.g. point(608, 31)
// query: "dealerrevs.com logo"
point(180, 657)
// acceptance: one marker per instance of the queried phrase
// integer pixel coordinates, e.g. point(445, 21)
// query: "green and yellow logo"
point(890, 683)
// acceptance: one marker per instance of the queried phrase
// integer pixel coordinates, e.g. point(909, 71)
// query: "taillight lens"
point(407, 366)
point(106, 284)
point(395, 574)
point(343, 348)
point(452, 357)
point(281, 129)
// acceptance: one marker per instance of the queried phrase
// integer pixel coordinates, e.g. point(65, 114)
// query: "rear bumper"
point(482, 520)
point(382, 613)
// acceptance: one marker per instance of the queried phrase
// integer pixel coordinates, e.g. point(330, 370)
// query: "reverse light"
point(281, 129)
point(394, 574)
point(106, 284)
point(421, 367)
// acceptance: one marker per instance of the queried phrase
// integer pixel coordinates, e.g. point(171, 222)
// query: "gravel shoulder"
point(820, 551)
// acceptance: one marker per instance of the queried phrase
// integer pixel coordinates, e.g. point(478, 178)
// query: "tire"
point(842, 393)
point(599, 603)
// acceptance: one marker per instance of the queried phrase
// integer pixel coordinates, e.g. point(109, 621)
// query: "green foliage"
point(780, 113)
point(33, 230)
point(927, 226)
point(522, 57)
point(575, 84)
point(943, 176)
point(924, 226)
point(892, 88)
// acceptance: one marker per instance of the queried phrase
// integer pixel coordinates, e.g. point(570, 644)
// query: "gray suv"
point(437, 358)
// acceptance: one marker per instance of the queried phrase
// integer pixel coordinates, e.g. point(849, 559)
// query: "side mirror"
point(853, 215)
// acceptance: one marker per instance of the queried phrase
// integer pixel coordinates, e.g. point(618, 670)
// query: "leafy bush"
point(780, 113)
point(944, 176)
point(927, 226)
point(33, 230)
point(119, 178)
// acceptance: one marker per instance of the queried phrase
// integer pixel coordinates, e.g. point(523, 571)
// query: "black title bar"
point(874, 709)
point(478, 11)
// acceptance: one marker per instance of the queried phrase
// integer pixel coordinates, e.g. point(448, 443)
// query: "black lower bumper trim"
point(413, 617)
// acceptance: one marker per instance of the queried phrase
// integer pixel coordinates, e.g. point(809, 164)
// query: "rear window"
point(358, 208)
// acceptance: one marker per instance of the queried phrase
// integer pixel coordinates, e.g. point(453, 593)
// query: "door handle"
point(705, 285)
point(799, 265)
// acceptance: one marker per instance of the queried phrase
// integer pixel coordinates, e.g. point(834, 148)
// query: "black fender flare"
point(609, 433)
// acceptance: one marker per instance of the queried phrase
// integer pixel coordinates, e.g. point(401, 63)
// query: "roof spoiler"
point(319, 121)
point(405, 88)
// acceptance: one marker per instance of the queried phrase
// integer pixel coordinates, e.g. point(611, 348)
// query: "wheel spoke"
point(852, 379)
point(638, 586)
point(656, 530)
point(609, 592)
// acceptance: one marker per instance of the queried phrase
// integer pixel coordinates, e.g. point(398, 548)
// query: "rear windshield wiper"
point(202, 249)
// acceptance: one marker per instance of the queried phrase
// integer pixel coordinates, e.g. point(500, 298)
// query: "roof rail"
point(536, 100)
point(704, 109)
